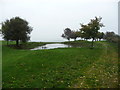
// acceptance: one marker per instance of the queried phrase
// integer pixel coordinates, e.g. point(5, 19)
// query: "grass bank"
point(60, 68)
point(27, 45)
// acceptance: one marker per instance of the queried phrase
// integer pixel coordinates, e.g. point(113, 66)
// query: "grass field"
point(61, 68)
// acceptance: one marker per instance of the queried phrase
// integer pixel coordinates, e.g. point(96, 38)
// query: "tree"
point(16, 29)
point(5, 31)
point(67, 33)
point(112, 37)
point(85, 31)
point(90, 30)
point(74, 35)
point(100, 35)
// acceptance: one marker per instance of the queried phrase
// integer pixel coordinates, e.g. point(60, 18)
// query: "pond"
point(52, 46)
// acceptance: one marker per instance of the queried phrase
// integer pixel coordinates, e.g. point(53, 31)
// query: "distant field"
point(61, 68)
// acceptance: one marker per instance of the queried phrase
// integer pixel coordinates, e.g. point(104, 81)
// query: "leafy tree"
point(67, 33)
point(74, 35)
point(85, 31)
point(112, 37)
point(16, 29)
point(90, 30)
point(5, 31)
point(109, 36)
point(100, 35)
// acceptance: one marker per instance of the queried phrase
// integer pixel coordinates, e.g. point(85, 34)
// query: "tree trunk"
point(17, 42)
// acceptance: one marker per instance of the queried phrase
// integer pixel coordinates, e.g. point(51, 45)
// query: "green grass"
point(104, 72)
point(28, 45)
point(60, 68)
point(81, 43)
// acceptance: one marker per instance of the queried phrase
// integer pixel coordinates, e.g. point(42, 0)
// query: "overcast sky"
point(50, 17)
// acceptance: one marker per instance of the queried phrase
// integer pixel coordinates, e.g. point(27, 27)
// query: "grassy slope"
point(57, 67)
point(104, 72)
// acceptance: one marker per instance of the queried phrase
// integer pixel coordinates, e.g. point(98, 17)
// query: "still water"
point(52, 46)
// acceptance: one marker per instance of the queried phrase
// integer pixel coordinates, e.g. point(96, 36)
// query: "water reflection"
point(52, 46)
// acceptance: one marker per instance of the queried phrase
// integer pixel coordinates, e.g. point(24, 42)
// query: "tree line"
point(91, 31)
point(17, 29)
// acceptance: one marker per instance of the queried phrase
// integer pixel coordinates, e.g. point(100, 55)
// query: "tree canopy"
point(67, 33)
point(90, 31)
point(16, 29)
point(112, 37)
point(70, 34)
